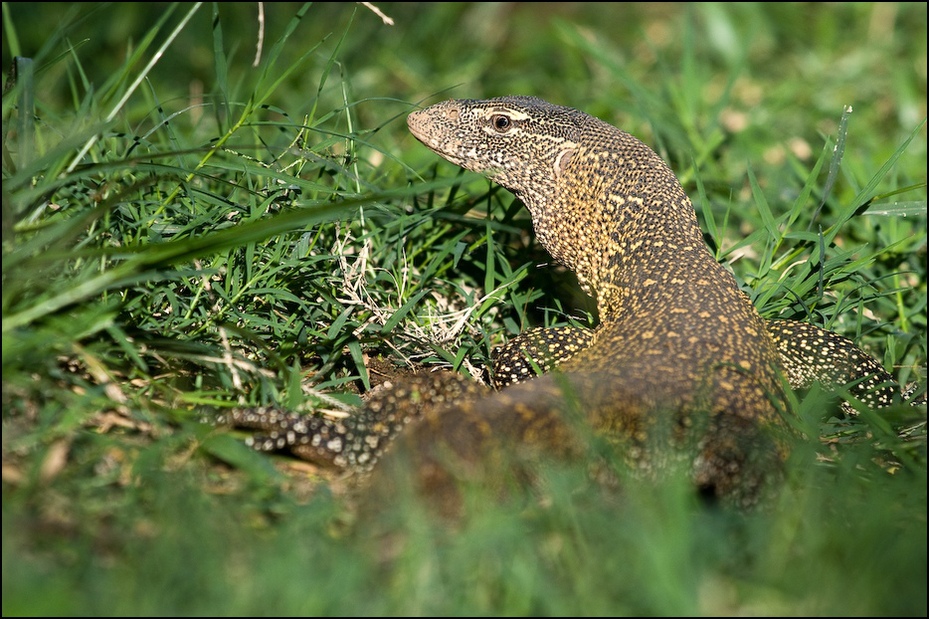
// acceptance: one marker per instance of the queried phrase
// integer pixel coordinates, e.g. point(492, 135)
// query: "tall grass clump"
point(209, 205)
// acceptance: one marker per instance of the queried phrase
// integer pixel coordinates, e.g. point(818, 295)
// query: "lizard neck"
point(619, 236)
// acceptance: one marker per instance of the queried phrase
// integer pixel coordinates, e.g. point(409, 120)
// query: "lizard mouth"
point(437, 127)
point(419, 123)
point(434, 126)
point(416, 121)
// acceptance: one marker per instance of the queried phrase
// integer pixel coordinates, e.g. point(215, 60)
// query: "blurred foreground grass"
point(184, 230)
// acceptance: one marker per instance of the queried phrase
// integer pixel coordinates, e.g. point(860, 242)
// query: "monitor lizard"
point(680, 357)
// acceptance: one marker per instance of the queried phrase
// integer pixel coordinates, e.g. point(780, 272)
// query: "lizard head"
point(522, 143)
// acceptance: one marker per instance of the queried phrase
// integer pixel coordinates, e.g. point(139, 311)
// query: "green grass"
point(184, 231)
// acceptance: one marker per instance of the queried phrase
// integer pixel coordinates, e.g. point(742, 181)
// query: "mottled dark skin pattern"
point(680, 358)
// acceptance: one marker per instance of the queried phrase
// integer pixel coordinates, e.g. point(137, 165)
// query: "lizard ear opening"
point(562, 160)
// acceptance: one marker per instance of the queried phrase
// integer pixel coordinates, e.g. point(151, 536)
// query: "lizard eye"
point(501, 123)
